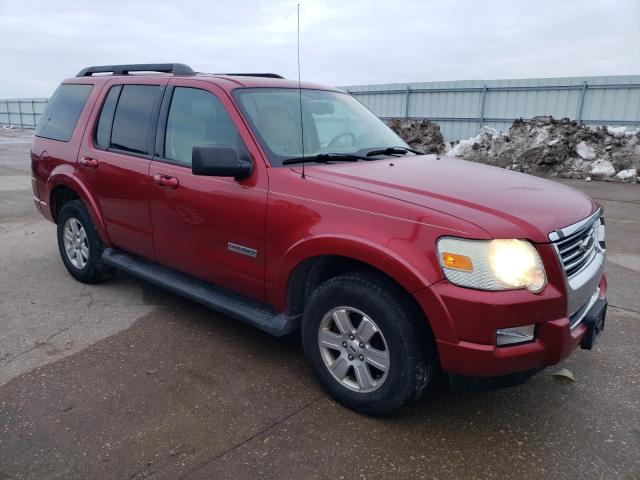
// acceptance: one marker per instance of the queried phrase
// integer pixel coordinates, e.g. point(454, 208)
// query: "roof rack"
point(266, 75)
point(175, 68)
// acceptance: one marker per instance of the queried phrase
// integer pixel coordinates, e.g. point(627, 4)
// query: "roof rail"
point(175, 68)
point(266, 75)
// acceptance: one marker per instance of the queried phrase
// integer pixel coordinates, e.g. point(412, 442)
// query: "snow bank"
point(546, 146)
point(422, 135)
point(542, 146)
point(464, 147)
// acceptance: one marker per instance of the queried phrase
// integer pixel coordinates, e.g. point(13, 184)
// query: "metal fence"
point(462, 107)
point(22, 112)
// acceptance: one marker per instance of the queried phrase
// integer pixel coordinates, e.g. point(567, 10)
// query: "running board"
point(242, 308)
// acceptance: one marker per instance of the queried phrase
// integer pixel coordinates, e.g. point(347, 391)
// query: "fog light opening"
point(515, 335)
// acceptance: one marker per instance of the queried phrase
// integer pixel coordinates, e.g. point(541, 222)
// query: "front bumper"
point(464, 322)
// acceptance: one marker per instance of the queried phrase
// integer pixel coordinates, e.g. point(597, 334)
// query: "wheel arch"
point(310, 263)
point(63, 188)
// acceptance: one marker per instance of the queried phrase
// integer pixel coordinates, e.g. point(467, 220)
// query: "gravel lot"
point(126, 381)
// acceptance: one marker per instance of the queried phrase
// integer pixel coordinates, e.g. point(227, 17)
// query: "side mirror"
point(219, 161)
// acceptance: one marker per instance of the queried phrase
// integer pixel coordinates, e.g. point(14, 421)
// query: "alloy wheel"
point(354, 349)
point(76, 243)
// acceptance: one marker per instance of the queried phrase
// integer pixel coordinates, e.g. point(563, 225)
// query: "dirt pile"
point(546, 146)
point(422, 135)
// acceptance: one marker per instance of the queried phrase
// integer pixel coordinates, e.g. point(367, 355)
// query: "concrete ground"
point(126, 381)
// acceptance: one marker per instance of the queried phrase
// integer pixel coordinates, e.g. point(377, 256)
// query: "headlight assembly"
point(491, 264)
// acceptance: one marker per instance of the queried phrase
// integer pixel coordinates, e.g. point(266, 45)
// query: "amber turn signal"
point(457, 261)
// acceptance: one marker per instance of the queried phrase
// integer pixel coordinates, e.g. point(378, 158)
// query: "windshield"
point(334, 122)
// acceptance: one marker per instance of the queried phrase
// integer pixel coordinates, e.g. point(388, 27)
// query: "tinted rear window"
point(62, 112)
point(132, 120)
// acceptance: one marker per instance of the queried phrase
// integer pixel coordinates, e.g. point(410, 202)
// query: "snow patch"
point(464, 147)
point(585, 151)
point(550, 147)
point(616, 132)
point(422, 135)
point(627, 174)
point(603, 168)
point(541, 146)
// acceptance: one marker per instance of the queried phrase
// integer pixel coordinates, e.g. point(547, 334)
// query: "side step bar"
point(250, 311)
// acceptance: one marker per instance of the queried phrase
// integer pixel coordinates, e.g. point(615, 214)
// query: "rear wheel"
point(362, 340)
point(80, 245)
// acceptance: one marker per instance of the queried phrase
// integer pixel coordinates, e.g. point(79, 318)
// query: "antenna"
point(300, 95)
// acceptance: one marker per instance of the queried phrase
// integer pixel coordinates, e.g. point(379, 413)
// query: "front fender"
point(64, 175)
point(378, 256)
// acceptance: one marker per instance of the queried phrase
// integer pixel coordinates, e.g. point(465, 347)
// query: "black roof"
point(175, 68)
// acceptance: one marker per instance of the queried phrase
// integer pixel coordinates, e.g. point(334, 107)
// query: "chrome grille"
point(578, 248)
point(581, 252)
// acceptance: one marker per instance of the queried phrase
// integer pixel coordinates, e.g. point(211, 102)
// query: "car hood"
point(504, 203)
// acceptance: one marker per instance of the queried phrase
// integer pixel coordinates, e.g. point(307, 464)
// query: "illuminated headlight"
point(491, 264)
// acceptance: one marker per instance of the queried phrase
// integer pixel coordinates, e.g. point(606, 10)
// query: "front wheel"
point(361, 337)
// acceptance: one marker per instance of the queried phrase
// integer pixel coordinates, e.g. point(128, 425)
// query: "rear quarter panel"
point(53, 162)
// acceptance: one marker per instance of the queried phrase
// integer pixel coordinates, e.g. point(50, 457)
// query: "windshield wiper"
point(324, 158)
point(393, 151)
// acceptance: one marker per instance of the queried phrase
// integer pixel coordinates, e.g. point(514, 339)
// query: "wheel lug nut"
point(350, 357)
point(351, 337)
point(344, 344)
point(361, 357)
point(361, 345)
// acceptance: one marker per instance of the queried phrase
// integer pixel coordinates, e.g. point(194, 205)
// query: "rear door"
point(209, 227)
point(115, 158)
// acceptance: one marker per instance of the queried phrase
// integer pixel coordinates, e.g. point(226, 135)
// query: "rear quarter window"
point(61, 114)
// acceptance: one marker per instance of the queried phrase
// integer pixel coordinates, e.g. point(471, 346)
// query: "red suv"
point(294, 208)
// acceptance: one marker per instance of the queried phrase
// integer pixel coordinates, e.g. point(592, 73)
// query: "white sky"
point(343, 42)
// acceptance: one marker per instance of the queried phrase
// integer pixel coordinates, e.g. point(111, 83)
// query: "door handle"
point(88, 162)
point(165, 181)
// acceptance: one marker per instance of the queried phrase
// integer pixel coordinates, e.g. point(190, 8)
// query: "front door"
point(114, 161)
point(209, 227)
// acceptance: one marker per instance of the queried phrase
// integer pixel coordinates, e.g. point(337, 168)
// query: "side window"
point(62, 112)
point(132, 120)
point(197, 117)
point(103, 131)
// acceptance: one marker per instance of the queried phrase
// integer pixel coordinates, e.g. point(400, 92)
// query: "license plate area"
point(594, 320)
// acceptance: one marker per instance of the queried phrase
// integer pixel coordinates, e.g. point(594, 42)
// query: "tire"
point(84, 260)
point(410, 352)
